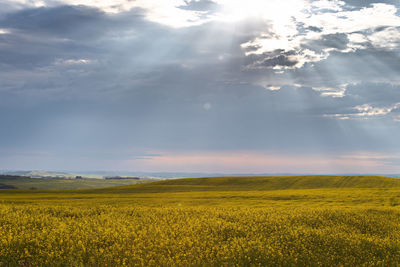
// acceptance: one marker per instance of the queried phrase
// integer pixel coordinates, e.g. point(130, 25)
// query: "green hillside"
point(259, 183)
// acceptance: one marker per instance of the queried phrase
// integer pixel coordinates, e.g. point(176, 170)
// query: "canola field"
point(257, 221)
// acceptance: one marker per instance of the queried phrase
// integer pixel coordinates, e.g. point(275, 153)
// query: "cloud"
point(367, 111)
point(62, 21)
point(368, 101)
point(169, 12)
point(324, 28)
point(72, 61)
point(200, 5)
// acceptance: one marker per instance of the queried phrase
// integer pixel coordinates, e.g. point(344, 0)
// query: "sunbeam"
point(210, 77)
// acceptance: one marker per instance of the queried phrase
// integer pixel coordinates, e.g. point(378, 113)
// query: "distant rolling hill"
point(258, 183)
point(6, 186)
point(24, 182)
point(252, 183)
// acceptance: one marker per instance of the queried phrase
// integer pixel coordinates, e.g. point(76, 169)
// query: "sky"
point(228, 86)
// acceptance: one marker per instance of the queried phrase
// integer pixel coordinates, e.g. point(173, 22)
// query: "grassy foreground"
point(257, 221)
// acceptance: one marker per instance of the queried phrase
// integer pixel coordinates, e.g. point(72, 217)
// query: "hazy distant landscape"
point(159, 175)
point(21, 182)
point(45, 180)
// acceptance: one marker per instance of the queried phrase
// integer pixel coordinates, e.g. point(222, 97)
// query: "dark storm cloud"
point(38, 36)
point(58, 21)
point(125, 44)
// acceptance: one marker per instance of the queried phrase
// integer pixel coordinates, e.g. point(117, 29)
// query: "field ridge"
point(259, 183)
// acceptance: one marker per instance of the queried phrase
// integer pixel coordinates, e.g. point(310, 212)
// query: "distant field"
point(260, 183)
point(226, 221)
point(20, 182)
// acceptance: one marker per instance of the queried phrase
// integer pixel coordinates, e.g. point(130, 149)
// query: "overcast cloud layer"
point(210, 86)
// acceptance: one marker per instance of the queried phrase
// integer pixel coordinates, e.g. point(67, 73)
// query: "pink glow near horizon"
point(257, 162)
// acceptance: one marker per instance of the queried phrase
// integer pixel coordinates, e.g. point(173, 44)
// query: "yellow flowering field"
point(342, 226)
